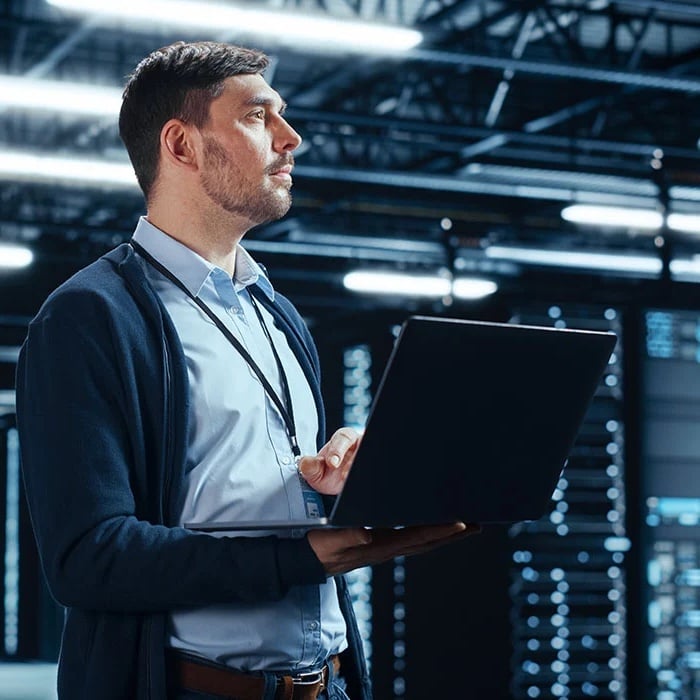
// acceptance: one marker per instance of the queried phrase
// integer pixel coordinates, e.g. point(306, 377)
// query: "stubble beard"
point(226, 185)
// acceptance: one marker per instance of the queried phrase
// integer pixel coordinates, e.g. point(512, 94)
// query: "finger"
point(413, 537)
point(341, 550)
point(440, 541)
point(342, 443)
point(346, 549)
point(362, 536)
point(341, 539)
point(429, 545)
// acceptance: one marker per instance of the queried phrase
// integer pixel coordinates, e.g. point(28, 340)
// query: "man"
point(169, 383)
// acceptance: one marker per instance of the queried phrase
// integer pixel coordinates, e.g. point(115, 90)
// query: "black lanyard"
point(287, 411)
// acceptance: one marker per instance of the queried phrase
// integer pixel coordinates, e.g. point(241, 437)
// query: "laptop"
point(471, 421)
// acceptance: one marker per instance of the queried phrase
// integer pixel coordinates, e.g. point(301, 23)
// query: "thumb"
point(311, 468)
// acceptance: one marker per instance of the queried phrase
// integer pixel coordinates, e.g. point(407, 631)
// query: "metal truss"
point(508, 109)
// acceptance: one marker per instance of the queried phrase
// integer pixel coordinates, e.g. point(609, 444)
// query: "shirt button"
point(313, 625)
point(286, 460)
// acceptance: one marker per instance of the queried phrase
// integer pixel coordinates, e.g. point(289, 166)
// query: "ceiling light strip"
point(15, 256)
point(631, 218)
point(59, 96)
point(643, 264)
point(647, 219)
point(285, 27)
point(35, 167)
point(416, 285)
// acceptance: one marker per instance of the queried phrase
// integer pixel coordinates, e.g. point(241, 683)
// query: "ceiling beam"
point(653, 81)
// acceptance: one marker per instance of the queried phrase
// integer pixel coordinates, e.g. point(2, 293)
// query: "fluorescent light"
point(74, 171)
point(577, 259)
point(684, 192)
point(15, 256)
point(418, 285)
point(397, 283)
point(613, 216)
point(689, 223)
point(648, 219)
point(468, 288)
point(316, 30)
point(54, 95)
point(686, 269)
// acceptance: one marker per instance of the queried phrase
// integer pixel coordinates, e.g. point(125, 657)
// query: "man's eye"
point(258, 114)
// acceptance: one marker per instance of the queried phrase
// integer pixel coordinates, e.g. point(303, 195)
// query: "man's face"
point(247, 151)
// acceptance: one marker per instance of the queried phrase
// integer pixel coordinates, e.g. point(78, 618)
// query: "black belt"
point(186, 672)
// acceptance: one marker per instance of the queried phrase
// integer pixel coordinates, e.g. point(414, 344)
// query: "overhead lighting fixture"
point(33, 167)
point(396, 283)
point(15, 256)
point(434, 286)
point(688, 223)
point(292, 28)
point(643, 264)
point(61, 96)
point(593, 215)
point(472, 288)
point(646, 219)
point(686, 269)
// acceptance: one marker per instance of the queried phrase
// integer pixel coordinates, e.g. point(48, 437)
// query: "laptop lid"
point(472, 421)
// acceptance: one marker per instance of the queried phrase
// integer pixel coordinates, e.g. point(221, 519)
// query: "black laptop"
point(472, 421)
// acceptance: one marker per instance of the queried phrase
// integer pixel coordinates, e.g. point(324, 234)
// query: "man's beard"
point(226, 185)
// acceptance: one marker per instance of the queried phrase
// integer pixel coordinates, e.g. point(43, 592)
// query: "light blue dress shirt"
point(240, 464)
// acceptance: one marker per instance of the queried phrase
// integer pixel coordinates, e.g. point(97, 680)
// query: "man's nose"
point(286, 139)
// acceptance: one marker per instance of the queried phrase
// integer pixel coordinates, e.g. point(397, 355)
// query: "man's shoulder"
point(100, 274)
point(101, 283)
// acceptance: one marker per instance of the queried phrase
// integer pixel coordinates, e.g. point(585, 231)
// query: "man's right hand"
point(343, 550)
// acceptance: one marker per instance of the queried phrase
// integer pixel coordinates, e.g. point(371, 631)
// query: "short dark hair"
point(178, 81)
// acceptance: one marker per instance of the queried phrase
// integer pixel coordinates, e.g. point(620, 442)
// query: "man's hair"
point(178, 81)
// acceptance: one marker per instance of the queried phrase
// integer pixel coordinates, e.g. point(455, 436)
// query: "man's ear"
point(177, 144)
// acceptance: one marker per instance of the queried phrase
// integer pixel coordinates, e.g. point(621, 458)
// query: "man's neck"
point(215, 241)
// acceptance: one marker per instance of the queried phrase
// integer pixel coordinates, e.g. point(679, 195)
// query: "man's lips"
point(285, 170)
point(283, 174)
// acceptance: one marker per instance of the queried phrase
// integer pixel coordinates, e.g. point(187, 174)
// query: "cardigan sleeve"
point(87, 478)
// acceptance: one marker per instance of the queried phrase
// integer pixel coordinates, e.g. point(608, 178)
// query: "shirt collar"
point(191, 268)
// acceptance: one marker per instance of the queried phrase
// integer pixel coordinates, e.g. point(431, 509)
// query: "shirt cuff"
point(298, 564)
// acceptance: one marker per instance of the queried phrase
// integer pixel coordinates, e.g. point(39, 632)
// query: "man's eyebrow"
point(264, 101)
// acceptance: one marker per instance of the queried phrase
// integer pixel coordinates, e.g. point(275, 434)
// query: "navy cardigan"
point(102, 406)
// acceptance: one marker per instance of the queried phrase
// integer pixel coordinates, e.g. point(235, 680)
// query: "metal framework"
point(508, 110)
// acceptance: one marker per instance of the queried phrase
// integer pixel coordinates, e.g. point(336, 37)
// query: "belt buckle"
point(308, 678)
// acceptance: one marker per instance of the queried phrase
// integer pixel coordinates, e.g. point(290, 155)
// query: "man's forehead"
point(251, 89)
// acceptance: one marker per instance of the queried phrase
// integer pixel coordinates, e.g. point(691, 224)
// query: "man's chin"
point(281, 206)
point(276, 211)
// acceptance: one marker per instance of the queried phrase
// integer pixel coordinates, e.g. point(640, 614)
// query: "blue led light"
point(675, 507)
point(617, 544)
